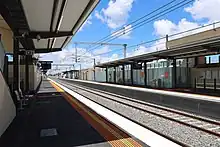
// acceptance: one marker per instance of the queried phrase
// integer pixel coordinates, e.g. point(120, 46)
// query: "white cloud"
point(86, 23)
point(138, 51)
point(205, 9)
point(164, 27)
point(116, 14)
point(167, 27)
point(124, 33)
point(102, 50)
point(67, 56)
point(200, 10)
point(143, 49)
point(104, 59)
point(99, 16)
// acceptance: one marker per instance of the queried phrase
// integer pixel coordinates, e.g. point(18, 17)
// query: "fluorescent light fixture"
point(54, 42)
point(61, 19)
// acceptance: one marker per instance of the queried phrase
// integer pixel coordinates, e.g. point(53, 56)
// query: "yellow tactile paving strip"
point(112, 134)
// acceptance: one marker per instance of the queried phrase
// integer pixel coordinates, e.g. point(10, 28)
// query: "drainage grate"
point(48, 132)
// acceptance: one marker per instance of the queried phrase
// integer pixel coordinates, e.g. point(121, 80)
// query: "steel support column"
point(196, 61)
point(94, 68)
point(16, 75)
point(114, 74)
point(145, 73)
point(27, 60)
point(174, 73)
point(188, 74)
point(6, 69)
point(106, 74)
point(132, 80)
point(123, 73)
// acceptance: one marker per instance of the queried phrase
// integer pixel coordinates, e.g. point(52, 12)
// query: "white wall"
point(7, 107)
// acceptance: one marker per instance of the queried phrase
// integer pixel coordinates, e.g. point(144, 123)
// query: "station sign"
point(45, 65)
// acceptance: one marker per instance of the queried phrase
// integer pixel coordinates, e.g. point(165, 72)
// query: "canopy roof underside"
point(45, 25)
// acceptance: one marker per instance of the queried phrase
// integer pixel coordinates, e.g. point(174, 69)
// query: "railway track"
point(203, 124)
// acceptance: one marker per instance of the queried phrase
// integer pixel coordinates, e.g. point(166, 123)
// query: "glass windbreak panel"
point(128, 74)
point(165, 74)
point(138, 75)
point(191, 62)
point(111, 74)
point(119, 74)
point(159, 74)
point(182, 74)
point(101, 75)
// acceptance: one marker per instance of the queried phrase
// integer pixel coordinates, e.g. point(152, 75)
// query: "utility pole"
point(125, 50)
point(167, 39)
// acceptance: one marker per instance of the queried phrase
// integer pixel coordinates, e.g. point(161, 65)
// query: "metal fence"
point(213, 84)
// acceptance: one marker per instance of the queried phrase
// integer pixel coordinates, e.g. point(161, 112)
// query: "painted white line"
point(150, 138)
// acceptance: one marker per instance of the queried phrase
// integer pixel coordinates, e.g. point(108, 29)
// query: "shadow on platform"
point(49, 110)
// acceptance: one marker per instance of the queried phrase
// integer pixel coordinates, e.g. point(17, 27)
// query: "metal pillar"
point(71, 75)
point(174, 73)
point(6, 69)
point(106, 74)
point(125, 50)
point(123, 73)
point(209, 60)
point(187, 73)
point(16, 76)
point(132, 80)
point(94, 69)
point(114, 74)
point(27, 60)
point(167, 41)
point(219, 60)
point(196, 61)
point(145, 73)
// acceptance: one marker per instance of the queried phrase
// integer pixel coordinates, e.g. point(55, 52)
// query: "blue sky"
point(114, 14)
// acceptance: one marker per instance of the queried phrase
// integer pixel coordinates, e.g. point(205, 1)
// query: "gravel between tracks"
point(187, 135)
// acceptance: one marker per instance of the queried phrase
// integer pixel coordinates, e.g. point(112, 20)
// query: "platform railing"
point(207, 84)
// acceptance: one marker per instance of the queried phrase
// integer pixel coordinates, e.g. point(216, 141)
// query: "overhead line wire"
point(135, 21)
point(154, 17)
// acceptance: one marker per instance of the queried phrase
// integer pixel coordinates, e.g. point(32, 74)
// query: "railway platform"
point(53, 119)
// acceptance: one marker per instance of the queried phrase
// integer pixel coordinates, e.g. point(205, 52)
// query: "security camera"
point(38, 37)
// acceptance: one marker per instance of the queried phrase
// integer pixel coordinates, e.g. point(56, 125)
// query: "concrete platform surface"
point(50, 122)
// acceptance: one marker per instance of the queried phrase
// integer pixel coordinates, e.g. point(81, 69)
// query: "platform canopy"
point(45, 25)
point(204, 47)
